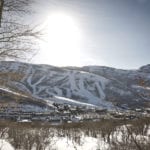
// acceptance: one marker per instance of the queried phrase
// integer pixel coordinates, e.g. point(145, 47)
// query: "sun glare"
point(62, 40)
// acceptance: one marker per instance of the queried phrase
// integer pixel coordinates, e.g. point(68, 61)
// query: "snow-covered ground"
point(84, 142)
point(88, 143)
point(4, 145)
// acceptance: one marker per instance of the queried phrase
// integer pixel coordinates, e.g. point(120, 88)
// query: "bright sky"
point(113, 33)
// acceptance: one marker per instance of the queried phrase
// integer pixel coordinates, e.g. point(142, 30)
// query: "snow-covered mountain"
point(90, 85)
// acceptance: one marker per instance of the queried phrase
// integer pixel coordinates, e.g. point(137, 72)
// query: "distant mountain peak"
point(145, 68)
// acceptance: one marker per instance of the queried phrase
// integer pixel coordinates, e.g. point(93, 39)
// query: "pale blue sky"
point(116, 32)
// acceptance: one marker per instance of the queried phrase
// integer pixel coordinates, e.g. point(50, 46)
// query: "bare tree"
point(1, 10)
point(16, 37)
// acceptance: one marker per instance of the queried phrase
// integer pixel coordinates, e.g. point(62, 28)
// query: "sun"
point(62, 40)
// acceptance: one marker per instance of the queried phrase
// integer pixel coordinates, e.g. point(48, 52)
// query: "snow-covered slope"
point(100, 86)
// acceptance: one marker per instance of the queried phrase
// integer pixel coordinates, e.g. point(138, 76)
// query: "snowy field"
point(106, 135)
point(89, 143)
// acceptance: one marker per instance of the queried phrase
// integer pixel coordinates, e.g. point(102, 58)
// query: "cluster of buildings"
point(65, 113)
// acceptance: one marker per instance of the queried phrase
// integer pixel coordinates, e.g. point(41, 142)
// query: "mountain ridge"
point(101, 86)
